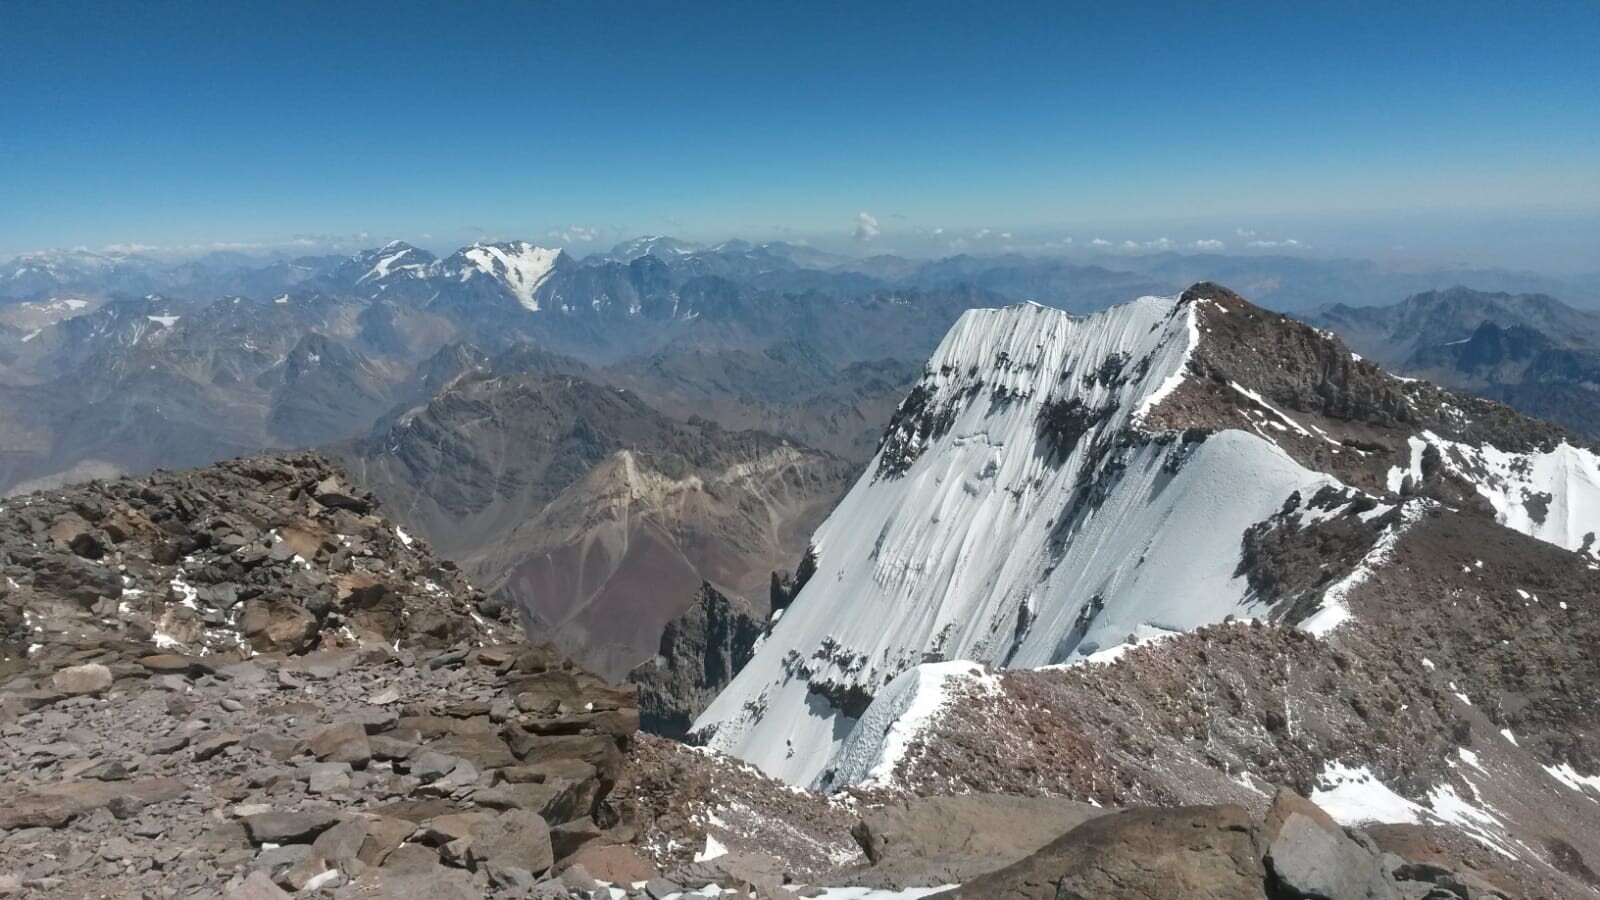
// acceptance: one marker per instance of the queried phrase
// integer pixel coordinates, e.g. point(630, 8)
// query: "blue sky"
point(188, 123)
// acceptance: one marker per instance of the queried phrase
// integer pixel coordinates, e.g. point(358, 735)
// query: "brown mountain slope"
point(595, 515)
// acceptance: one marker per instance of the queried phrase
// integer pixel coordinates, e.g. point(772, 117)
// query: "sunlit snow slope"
point(989, 529)
point(519, 265)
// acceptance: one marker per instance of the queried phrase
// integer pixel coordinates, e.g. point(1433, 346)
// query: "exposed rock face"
point(1297, 852)
point(366, 731)
point(1152, 854)
point(681, 796)
point(1353, 403)
point(1529, 351)
point(268, 553)
point(930, 841)
point(701, 650)
point(1449, 691)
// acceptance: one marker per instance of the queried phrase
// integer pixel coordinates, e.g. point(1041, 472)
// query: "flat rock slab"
point(53, 806)
point(1141, 854)
point(288, 827)
point(922, 842)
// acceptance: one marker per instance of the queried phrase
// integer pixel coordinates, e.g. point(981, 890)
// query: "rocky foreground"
point(244, 682)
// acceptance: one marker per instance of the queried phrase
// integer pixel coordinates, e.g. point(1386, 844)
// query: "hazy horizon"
point(1438, 134)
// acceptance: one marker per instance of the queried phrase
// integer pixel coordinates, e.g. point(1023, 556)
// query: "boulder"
point(1305, 859)
point(344, 742)
point(1140, 854)
point(486, 751)
point(514, 838)
point(52, 806)
point(342, 842)
point(73, 681)
point(288, 827)
point(383, 835)
point(568, 837)
point(258, 886)
point(942, 840)
point(616, 863)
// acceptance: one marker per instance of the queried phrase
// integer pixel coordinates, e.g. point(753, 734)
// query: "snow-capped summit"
point(393, 258)
point(657, 245)
point(519, 266)
point(1058, 486)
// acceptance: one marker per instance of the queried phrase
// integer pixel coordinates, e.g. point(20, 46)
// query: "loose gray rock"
point(92, 678)
point(288, 827)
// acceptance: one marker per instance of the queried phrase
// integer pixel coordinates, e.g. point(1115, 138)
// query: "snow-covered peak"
point(1015, 515)
point(393, 257)
point(657, 245)
point(1030, 361)
point(1056, 486)
point(519, 265)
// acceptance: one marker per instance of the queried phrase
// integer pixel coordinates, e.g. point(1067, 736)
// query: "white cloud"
point(573, 234)
point(299, 241)
point(1005, 235)
point(1244, 232)
point(1286, 243)
point(1208, 244)
point(1099, 242)
point(866, 226)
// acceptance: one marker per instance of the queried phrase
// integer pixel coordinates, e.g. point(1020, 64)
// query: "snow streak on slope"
point(898, 716)
point(519, 264)
point(1011, 519)
point(1552, 496)
point(393, 252)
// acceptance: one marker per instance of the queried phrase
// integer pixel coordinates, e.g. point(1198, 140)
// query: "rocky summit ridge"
point(1185, 551)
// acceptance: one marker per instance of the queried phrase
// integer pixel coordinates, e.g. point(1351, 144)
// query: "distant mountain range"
point(710, 402)
point(597, 516)
point(1530, 351)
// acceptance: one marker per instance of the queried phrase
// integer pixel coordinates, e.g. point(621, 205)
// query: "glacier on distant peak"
point(519, 265)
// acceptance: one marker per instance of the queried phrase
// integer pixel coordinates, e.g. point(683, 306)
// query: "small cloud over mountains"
point(866, 226)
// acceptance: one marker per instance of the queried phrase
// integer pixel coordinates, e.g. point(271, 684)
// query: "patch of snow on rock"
point(901, 713)
point(1335, 611)
point(1354, 796)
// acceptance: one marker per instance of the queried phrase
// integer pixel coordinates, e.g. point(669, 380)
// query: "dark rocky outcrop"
point(1155, 854)
point(1529, 351)
point(1296, 852)
point(268, 553)
point(701, 650)
point(1351, 402)
point(367, 729)
point(930, 841)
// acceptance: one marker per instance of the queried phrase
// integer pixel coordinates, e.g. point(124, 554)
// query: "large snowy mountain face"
point(519, 266)
point(1056, 487)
